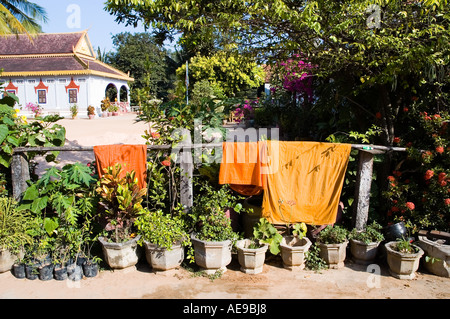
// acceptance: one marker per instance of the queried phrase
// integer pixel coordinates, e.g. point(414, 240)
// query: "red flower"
point(447, 201)
point(378, 115)
point(443, 183)
point(397, 140)
point(440, 149)
point(395, 209)
point(441, 176)
point(410, 205)
point(391, 178)
point(429, 174)
point(155, 135)
point(405, 109)
point(166, 162)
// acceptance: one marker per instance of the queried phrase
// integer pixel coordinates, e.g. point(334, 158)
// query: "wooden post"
point(363, 186)
point(187, 172)
point(20, 174)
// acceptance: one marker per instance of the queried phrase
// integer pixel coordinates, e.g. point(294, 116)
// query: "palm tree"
point(21, 16)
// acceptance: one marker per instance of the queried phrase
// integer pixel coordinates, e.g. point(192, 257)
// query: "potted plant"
point(163, 237)
point(212, 236)
point(251, 255)
point(436, 245)
point(14, 226)
point(252, 252)
point(403, 258)
point(332, 242)
point(60, 261)
point(114, 110)
point(91, 112)
point(294, 247)
point(120, 202)
point(74, 111)
point(364, 244)
point(105, 104)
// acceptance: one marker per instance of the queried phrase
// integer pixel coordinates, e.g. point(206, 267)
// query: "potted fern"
point(364, 244)
point(120, 201)
point(332, 242)
point(163, 237)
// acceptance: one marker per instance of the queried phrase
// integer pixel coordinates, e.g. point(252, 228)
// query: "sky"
point(78, 15)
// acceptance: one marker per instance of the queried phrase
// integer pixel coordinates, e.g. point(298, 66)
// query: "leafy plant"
point(161, 229)
point(105, 104)
point(91, 110)
point(208, 218)
point(121, 199)
point(404, 246)
point(333, 235)
point(15, 224)
point(266, 233)
point(74, 110)
point(299, 230)
point(63, 202)
point(372, 233)
point(16, 131)
point(313, 261)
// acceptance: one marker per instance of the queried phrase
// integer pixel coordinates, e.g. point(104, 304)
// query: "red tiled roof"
point(52, 54)
point(65, 63)
point(44, 43)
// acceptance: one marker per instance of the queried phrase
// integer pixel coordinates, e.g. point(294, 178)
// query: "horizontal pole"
point(361, 147)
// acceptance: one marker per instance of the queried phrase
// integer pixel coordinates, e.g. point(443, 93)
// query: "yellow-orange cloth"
point(242, 166)
point(131, 157)
point(304, 182)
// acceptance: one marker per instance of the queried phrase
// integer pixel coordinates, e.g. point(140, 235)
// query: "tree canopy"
point(378, 53)
point(147, 62)
point(21, 16)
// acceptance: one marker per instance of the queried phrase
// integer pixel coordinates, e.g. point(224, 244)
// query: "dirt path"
point(351, 282)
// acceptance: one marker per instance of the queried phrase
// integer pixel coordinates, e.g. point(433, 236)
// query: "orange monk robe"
point(242, 167)
point(131, 157)
point(304, 181)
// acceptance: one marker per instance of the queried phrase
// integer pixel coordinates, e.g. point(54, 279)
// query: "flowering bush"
point(245, 111)
point(295, 77)
point(419, 187)
point(34, 108)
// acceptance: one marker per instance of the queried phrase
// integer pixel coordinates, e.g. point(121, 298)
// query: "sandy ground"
point(352, 281)
point(123, 129)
